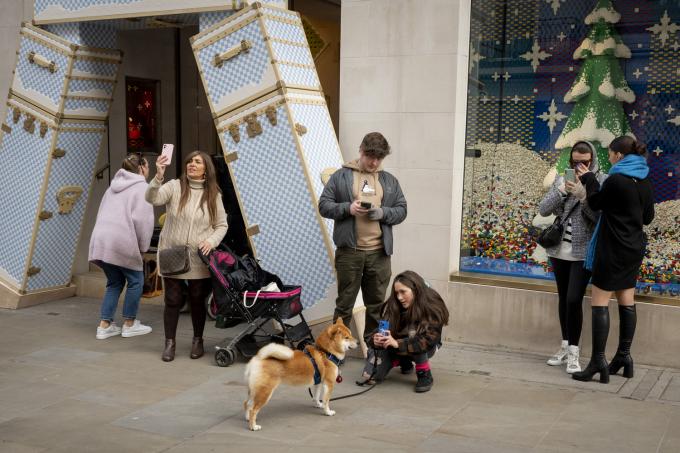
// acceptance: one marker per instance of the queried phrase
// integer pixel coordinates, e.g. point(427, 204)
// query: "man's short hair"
point(375, 145)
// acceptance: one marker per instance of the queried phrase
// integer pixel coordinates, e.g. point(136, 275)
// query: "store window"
point(543, 75)
point(142, 109)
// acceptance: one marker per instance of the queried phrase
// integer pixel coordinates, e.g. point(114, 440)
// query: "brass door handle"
point(243, 47)
point(43, 62)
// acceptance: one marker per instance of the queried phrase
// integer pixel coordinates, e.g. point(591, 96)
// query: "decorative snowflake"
point(536, 55)
point(475, 58)
point(675, 120)
point(552, 116)
point(555, 5)
point(664, 29)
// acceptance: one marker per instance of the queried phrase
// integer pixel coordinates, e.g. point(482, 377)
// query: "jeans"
point(387, 357)
point(116, 277)
point(369, 270)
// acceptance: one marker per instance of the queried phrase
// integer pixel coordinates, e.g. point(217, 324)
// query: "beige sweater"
point(192, 222)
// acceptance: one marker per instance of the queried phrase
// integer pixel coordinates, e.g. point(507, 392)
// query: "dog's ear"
point(339, 322)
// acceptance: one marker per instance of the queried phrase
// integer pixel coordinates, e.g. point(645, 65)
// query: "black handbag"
point(552, 236)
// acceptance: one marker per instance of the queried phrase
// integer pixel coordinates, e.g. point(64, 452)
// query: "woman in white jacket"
point(121, 233)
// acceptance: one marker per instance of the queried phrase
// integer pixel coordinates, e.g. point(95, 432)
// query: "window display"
point(544, 75)
point(142, 108)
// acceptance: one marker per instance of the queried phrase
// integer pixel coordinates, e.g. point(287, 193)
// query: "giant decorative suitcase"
point(57, 11)
point(46, 170)
point(277, 148)
point(62, 78)
point(251, 53)
point(51, 137)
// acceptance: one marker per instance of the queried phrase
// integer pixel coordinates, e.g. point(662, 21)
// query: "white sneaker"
point(560, 356)
point(572, 360)
point(137, 328)
point(111, 331)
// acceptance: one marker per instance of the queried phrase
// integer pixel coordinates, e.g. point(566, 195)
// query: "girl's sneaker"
point(137, 328)
point(111, 331)
point(560, 356)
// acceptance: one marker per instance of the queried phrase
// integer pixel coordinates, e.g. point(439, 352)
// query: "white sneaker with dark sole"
point(560, 356)
point(111, 331)
point(137, 328)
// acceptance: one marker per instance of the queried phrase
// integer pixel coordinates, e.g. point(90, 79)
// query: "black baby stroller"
point(238, 298)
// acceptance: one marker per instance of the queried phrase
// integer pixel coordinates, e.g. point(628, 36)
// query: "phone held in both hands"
point(366, 204)
point(570, 175)
point(383, 327)
point(167, 152)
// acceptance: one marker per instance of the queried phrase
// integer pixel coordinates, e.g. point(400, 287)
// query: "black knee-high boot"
point(598, 362)
point(622, 359)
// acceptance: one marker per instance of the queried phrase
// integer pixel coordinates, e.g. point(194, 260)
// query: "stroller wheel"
point(225, 357)
point(211, 307)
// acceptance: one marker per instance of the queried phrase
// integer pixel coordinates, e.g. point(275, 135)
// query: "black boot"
point(598, 362)
point(622, 359)
point(425, 381)
point(169, 351)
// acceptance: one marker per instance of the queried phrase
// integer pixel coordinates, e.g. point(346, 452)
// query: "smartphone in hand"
point(167, 152)
point(570, 175)
point(366, 204)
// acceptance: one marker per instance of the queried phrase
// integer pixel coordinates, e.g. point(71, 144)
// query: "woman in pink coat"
point(122, 232)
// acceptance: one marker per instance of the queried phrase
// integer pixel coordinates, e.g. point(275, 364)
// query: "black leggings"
point(197, 292)
point(572, 279)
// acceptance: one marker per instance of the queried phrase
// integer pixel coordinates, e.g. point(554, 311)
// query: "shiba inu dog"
point(317, 365)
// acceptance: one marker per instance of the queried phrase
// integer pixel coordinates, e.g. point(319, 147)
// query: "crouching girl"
point(416, 315)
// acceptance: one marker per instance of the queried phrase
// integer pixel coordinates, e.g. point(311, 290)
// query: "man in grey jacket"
point(365, 202)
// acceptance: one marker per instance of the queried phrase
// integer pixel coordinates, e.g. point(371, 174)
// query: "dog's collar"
point(332, 357)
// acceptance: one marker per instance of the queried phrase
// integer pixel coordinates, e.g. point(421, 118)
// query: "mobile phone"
point(570, 175)
point(167, 152)
point(383, 326)
point(366, 205)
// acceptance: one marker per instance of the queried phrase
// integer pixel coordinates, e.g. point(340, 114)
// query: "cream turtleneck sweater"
point(192, 223)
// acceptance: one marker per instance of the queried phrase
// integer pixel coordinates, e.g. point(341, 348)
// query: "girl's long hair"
point(210, 190)
point(428, 307)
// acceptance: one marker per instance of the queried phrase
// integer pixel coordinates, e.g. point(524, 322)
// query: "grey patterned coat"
point(583, 219)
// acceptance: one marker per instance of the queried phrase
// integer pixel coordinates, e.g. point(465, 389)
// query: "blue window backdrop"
point(521, 67)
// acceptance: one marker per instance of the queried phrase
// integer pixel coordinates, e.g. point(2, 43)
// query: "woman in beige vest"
point(195, 217)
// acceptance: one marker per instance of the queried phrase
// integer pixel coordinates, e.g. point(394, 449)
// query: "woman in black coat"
point(616, 250)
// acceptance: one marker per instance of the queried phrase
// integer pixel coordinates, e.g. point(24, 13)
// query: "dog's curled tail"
point(272, 350)
point(275, 351)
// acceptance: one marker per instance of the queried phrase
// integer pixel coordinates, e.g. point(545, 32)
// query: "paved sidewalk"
point(63, 391)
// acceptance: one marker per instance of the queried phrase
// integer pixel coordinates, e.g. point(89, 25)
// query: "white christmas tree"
point(598, 89)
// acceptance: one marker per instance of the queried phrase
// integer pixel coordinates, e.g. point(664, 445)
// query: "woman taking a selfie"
point(195, 219)
point(566, 199)
point(616, 250)
point(416, 315)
